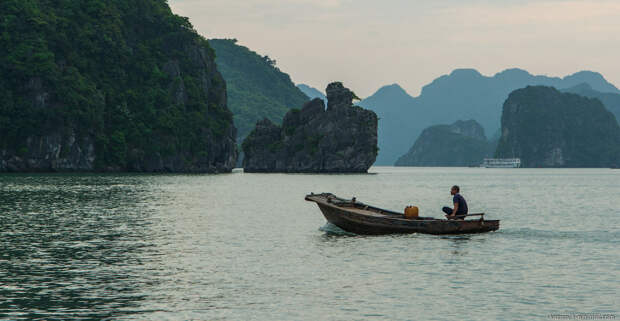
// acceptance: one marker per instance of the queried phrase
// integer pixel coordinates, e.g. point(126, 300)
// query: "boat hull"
point(358, 222)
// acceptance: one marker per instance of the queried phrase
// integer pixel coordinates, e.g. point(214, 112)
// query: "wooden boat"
point(359, 218)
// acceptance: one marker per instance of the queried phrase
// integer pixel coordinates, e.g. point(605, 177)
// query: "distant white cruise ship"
point(501, 163)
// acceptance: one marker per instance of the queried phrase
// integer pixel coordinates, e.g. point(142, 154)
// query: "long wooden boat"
point(359, 218)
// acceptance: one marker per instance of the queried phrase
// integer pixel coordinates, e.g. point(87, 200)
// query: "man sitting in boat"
point(460, 205)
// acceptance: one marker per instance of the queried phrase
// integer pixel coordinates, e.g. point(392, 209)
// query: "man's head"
point(455, 190)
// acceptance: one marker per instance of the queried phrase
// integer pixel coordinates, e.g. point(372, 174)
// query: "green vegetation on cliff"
point(460, 144)
point(463, 94)
point(257, 89)
point(610, 100)
point(131, 75)
point(547, 128)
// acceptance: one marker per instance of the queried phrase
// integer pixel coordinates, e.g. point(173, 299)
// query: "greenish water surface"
point(248, 247)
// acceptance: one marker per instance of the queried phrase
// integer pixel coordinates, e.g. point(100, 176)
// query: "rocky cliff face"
point(463, 94)
point(339, 139)
point(547, 128)
point(610, 100)
point(460, 144)
point(144, 94)
point(51, 152)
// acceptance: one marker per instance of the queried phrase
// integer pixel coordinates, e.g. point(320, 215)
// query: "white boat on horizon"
point(501, 163)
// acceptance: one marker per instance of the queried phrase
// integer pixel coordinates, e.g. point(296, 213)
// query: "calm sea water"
point(248, 247)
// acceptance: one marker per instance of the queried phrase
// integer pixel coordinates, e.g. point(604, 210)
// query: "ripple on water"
point(247, 246)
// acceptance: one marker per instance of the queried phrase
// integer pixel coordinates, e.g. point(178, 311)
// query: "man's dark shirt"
point(462, 204)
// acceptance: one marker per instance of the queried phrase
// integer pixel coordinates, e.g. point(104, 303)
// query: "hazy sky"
point(371, 43)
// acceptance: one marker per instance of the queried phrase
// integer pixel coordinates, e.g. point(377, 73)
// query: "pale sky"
point(371, 43)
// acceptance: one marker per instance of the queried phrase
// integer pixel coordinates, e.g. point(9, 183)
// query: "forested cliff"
point(462, 143)
point(547, 128)
point(256, 88)
point(109, 85)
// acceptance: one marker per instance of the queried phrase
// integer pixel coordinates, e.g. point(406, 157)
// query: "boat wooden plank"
point(360, 218)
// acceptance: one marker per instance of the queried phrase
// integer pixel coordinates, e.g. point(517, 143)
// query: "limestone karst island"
point(339, 139)
point(309, 160)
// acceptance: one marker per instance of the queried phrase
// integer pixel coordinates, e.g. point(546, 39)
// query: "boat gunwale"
point(392, 215)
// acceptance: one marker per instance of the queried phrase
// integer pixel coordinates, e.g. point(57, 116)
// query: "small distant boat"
point(359, 218)
point(501, 163)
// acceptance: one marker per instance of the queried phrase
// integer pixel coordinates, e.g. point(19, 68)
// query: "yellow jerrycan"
point(412, 212)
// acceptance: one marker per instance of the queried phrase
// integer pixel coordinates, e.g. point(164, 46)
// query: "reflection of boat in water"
point(501, 163)
point(359, 218)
